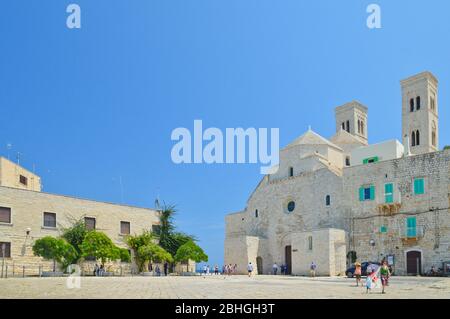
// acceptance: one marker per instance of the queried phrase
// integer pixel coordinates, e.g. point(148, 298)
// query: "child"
point(370, 281)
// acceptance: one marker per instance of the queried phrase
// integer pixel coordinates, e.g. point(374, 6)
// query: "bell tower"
point(352, 117)
point(420, 127)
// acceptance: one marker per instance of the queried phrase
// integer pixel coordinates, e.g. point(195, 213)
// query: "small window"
point(347, 161)
point(256, 213)
point(328, 200)
point(5, 250)
point(417, 138)
point(156, 229)
point(50, 220)
point(90, 223)
point(371, 160)
point(411, 229)
point(411, 105)
point(348, 126)
point(432, 103)
point(367, 193)
point(419, 186)
point(310, 243)
point(5, 215)
point(125, 228)
point(433, 138)
point(291, 171)
point(418, 103)
point(389, 193)
point(362, 127)
point(23, 180)
point(359, 126)
point(343, 125)
point(291, 206)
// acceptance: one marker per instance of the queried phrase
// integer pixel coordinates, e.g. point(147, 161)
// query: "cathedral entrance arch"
point(259, 265)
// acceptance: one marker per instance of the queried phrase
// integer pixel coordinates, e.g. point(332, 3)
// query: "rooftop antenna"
point(8, 147)
point(18, 158)
point(157, 204)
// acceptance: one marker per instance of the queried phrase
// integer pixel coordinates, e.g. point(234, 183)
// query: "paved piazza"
point(219, 287)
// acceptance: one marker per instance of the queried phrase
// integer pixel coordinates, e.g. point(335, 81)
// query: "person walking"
point(357, 273)
point(96, 270)
point(207, 270)
point(370, 281)
point(204, 269)
point(235, 269)
point(275, 269)
point(282, 269)
point(384, 274)
point(312, 269)
point(166, 268)
point(250, 269)
point(216, 270)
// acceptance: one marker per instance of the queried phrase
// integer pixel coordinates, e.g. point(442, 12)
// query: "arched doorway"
point(259, 265)
point(414, 262)
point(288, 259)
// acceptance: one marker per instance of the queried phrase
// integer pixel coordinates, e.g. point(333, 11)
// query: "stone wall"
point(27, 208)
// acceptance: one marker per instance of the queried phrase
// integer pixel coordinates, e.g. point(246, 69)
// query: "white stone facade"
point(320, 204)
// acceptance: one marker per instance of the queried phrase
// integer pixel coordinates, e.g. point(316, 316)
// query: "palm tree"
point(168, 237)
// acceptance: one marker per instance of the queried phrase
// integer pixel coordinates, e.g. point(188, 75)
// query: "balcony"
point(411, 235)
point(389, 209)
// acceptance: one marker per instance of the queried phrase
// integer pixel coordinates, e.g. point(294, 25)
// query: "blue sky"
point(87, 106)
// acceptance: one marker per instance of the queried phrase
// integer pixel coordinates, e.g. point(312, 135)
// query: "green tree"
point(124, 255)
point(169, 238)
point(190, 251)
point(98, 245)
point(56, 249)
point(138, 241)
point(75, 235)
point(154, 253)
point(447, 147)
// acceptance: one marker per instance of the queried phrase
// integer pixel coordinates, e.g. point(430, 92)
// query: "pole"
point(418, 269)
point(3, 257)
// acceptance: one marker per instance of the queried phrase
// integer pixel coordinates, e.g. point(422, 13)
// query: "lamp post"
point(3, 257)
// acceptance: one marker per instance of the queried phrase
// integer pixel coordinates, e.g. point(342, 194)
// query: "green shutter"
point(383, 229)
point(419, 187)
point(372, 192)
point(361, 194)
point(389, 193)
point(411, 230)
point(365, 161)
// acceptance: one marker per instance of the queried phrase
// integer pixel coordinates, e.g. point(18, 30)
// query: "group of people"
point(374, 276)
point(158, 269)
point(99, 270)
point(226, 269)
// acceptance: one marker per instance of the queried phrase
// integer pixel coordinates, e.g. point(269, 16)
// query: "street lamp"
point(3, 256)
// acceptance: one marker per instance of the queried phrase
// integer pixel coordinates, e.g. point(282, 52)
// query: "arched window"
point(291, 171)
point(256, 213)
point(348, 126)
point(362, 127)
point(328, 200)
point(413, 139)
point(343, 125)
point(417, 138)
point(418, 103)
point(359, 126)
point(411, 105)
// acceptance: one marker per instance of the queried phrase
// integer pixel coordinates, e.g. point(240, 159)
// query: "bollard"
point(13, 270)
point(121, 271)
point(40, 270)
point(6, 274)
point(23, 271)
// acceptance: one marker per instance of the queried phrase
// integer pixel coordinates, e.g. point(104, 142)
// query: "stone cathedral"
point(334, 201)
